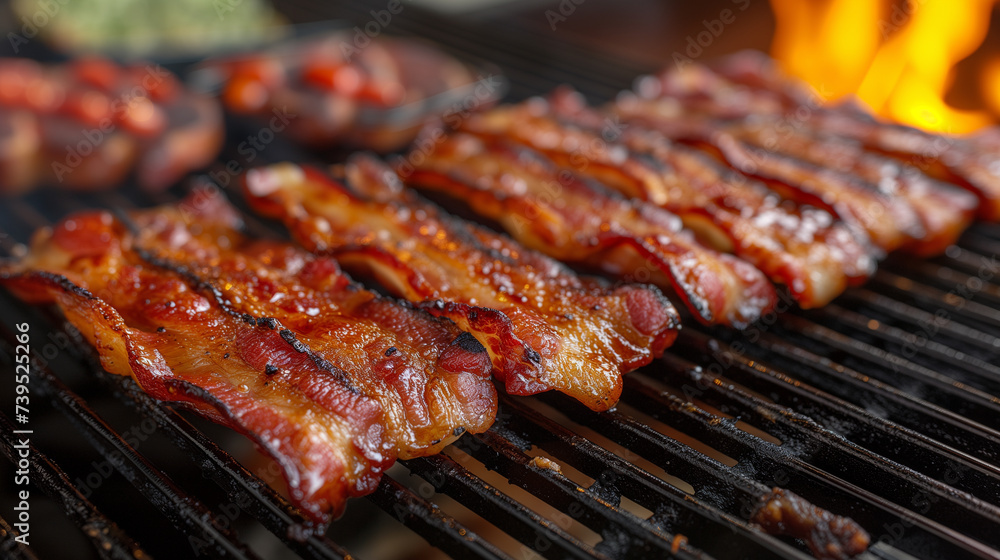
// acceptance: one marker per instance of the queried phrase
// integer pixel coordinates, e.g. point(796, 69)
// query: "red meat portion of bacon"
point(332, 381)
point(546, 328)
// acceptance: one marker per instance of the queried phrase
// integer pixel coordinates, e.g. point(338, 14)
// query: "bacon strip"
point(334, 382)
point(801, 247)
point(544, 326)
point(890, 221)
point(749, 83)
point(557, 213)
point(945, 211)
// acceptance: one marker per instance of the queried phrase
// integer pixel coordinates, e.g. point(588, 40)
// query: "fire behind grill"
point(882, 407)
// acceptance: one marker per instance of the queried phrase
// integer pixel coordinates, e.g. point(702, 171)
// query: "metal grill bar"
point(183, 511)
point(920, 320)
point(978, 315)
point(674, 511)
point(936, 388)
point(108, 539)
point(960, 366)
point(894, 404)
point(528, 527)
point(10, 548)
point(816, 476)
point(915, 450)
point(825, 452)
point(430, 522)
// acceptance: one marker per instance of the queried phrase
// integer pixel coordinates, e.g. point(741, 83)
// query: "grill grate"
point(882, 407)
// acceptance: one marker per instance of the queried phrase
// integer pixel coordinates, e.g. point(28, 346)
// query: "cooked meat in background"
point(88, 123)
point(799, 246)
point(376, 97)
point(750, 84)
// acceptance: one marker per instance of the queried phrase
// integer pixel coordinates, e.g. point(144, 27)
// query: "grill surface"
point(882, 407)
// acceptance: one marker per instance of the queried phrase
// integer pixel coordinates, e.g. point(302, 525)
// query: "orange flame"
point(898, 58)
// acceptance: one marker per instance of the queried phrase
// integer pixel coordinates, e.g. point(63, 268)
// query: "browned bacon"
point(943, 209)
point(333, 381)
point(801, 247)
point(890, 221)
point(544, 326)
point(559, 214)
point(749, 83)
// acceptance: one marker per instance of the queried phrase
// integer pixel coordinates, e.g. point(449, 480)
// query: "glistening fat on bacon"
point(555, 212)
point(333, 381)
point(749, 83)
point(799, 246)
point(944, 210)
point(821, 169)
point(889, 220)
point(545, 327)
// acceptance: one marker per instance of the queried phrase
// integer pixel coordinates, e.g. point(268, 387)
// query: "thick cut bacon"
point(890, 221)
point(334, 382)
point(557, 213)
point(801, 247)
point(945, 211)
point(545, 327)
point(749, 83)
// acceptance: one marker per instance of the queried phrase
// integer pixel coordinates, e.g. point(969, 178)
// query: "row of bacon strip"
point(712, 183)
point(336, 382)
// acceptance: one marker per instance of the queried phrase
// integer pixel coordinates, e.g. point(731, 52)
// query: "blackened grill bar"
point(818, 384)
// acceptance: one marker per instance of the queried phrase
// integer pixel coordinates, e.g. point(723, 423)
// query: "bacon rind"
point(186, 336)
point(545, 327)
point(556, 213)
point(801, 247)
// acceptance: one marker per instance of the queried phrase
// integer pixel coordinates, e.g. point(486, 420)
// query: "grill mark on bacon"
point(749, 83)
point(267, 322)
point(332, 438)
point(589, 224)
point(801, 247)
point(943, 209)
point(545, 327)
